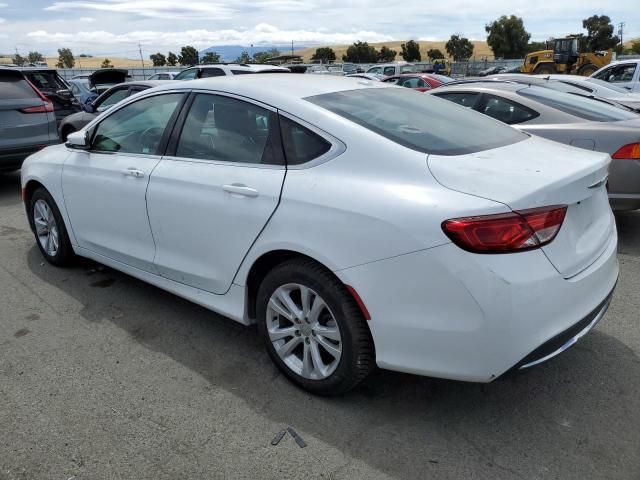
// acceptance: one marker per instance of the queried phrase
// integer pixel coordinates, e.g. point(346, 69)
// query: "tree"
point(35, 57)
point(65, 58)
point(324, 55)
point(18, 60)
point(361, 52)
point(599, 33)
point(243, 58)
point(507, 37)
point(411, 51)
point(537, 46)
point(263, 57)
point(158, 59)
point(188, 56)
point(460, 48)
point(635, 47)
point(435, 54)
point(210, 58)
point(172, 59)
point(386, 54)
point(106, 63)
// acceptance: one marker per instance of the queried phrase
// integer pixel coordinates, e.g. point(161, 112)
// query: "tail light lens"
point(506, 232)
point(628, 152)
point(48, 104)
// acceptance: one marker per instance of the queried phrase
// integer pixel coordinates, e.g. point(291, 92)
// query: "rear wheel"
point(587, 70)
point(313, 329)
point(545, 69)
point(48, 227)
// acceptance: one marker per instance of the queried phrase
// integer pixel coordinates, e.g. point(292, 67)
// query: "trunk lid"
point(108, 76)
point(539, 173)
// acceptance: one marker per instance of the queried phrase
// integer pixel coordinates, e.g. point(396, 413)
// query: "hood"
point(107, 76)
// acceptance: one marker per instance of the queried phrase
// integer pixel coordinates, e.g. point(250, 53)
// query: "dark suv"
point(52, 86)
point(27, 119)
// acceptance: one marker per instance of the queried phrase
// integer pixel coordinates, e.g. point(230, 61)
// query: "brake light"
point(506, 232)
point(628, 152)
point(48, 104)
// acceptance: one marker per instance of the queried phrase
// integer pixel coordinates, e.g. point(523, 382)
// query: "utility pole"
point(292, 49)
point(621, 32)
point(141, 59)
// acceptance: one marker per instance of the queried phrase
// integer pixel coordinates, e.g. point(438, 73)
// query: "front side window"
point(301, 145)
point(506, 111)
point(618, 73)
point(188, 74)
point(226, 129)
point(418, 121)
point(466, 99)
point(389, 70)
point(111, 99)
point(137, 127)
point(375, 70)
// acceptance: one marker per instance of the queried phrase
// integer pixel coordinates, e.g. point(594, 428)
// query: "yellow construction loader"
point(565, 58)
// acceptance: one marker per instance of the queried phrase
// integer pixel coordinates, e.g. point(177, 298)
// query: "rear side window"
point(466, 99)
point(389, 70)
point(418, 121)
point(301, 145)
point(14, 87)
point(188, 74)
point(576, 105)
point(506, 111)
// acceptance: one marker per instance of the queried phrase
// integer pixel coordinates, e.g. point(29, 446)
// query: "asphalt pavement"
point(105, 377)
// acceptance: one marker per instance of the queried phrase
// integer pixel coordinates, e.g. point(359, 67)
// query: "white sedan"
point(356, 223)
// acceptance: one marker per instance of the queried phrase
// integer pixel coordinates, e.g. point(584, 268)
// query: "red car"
point(418, 81)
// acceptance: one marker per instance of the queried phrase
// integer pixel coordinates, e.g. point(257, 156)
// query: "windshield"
point(607, 85)
point(576, 105)
point(418, 121)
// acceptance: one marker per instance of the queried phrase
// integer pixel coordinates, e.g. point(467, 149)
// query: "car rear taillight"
point(48, 104)
point(506, 232)
point(628, 152)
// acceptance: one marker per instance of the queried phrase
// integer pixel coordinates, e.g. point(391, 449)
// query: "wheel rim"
point(46, 227)
point(304, 331)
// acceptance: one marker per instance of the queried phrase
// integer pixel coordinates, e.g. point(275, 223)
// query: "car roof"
point(277, 88)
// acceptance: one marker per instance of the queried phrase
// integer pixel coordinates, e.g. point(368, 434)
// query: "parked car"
point(52, 86)
point(565, 118)
point(600, 88)
point(77, 121)
point(418, 81)
point(80, 89)
point(163, 76)
point(27, 119)
point(376, 77)
point(392, 69)
point(355, 223)
point(222, 69)
point(491, 71)
point(624, 73)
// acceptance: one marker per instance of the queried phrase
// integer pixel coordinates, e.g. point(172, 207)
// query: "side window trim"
point(337, 146)
point(181, 118)
point(162, 146)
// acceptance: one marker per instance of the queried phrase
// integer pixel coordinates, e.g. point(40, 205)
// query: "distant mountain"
point(228, 53)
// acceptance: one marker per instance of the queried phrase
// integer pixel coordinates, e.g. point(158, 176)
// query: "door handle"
point(240, 189)
point(133, 172)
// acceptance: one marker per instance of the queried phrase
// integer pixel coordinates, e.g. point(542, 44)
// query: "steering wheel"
point(150, 138)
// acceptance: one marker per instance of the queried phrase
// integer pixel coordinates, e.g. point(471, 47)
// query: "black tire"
point(358, 357)
point(587, 70)
point(545, 69)
point(64, 255)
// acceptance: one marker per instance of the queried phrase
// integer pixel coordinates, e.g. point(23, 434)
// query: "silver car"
point(600, 88)
point(27, 119)
point(571, 119)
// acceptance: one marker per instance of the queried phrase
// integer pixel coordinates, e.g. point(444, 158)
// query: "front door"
point(211, 198)
point(105, 187)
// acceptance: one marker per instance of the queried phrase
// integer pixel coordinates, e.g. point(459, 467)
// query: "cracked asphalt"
point(105, 377)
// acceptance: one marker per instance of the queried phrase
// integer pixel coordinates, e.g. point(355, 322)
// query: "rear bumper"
point(448, 313)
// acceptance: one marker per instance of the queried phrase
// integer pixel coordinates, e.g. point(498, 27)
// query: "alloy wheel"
point(46, 228)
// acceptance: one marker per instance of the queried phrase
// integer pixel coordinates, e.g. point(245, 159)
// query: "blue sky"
point(114, 27)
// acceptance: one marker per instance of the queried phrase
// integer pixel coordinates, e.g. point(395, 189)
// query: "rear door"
point(210, 198)
point(26, 119)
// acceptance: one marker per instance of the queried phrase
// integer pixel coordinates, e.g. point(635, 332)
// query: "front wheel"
point(587, 70)
point(48, 227)
point(313, 329)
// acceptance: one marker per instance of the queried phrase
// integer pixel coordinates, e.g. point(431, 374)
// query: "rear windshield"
point(419, 121)
point(13, 87)
point(607, 85)
point(576, 105)
point(46, 80)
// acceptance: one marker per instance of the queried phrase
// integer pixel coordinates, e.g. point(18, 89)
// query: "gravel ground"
point(105, 377)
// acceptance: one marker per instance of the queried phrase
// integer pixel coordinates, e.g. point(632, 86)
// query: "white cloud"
point(150, 8)
point(2, 5)
point(87, 19)
point(261, 33)
point(2, 20)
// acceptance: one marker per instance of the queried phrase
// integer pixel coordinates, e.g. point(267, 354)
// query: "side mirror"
point(78, 140)
point(88, 107)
